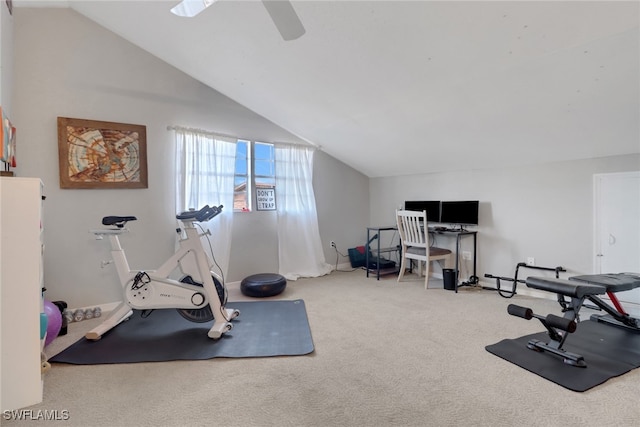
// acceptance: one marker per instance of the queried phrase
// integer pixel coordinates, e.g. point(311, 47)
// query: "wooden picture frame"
point(95, 154)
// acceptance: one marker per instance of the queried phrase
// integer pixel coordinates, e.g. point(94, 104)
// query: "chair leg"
point(426, 274)
point(402, 268)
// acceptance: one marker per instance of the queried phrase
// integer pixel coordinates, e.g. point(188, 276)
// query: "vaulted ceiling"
point(404, 87)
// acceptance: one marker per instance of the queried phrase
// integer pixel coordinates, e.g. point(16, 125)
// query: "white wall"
point(6, 57)
point(543, 211)
point(342, 200)
point(66, 65)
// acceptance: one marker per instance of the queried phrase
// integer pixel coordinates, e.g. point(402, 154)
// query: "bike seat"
point(118, 221)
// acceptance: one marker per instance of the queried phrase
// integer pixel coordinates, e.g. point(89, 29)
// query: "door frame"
point(597, 244)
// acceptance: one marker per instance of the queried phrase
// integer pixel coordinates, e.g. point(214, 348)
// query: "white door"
point(617, 227)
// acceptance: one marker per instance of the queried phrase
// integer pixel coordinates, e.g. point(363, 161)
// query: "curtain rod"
point(222, 135)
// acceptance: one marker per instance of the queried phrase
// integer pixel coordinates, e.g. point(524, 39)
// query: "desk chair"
point(414, 238)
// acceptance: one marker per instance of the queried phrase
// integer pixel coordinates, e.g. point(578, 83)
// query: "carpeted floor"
point(386, 354)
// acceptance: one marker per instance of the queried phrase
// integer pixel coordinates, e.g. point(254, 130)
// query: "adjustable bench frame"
point(578, 289)
point(613, 283)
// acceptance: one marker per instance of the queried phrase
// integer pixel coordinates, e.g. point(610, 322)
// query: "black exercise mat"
point(264, 328)
point(609, 351)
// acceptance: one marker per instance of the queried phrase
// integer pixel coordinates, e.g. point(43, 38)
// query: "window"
point(255, 176)
point(241, 191)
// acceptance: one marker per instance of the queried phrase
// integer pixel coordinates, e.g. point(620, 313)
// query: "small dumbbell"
point(78, 315)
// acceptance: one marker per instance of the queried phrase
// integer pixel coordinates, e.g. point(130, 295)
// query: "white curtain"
point(205, 166)
point(299, 247)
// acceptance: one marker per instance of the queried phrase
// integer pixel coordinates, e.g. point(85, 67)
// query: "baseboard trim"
point(345, 266)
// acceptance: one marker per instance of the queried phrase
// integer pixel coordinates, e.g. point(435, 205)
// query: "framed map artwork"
point(95, 154)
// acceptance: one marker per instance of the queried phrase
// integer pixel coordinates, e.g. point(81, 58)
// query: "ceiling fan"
point(281, 11)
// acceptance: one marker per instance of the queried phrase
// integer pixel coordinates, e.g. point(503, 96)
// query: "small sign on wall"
point(266, 199)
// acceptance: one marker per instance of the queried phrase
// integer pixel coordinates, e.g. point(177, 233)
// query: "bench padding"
point(565, 287)
point(613, 282)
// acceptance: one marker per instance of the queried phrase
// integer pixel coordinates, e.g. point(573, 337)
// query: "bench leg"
point(558, 329)
point(620, 317)
point(569, 358)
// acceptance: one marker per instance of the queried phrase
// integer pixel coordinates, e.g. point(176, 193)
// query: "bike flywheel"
point(204, 314)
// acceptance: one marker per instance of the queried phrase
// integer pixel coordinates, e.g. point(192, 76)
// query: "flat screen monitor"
point(459, 212)
point(431, 206)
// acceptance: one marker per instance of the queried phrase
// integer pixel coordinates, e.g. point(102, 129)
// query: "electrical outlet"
point(466, 255)
point(333, 244)
point(531, 261)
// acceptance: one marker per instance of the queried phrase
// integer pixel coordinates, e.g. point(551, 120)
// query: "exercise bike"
point(199, 296)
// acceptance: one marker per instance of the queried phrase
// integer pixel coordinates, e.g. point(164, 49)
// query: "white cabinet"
point(21, 281)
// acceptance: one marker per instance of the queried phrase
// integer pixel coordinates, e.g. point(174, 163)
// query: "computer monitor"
point(431, 206)
point(459, 212)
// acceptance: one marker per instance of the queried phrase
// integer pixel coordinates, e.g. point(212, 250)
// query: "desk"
point(373, 233)
point(459, 234)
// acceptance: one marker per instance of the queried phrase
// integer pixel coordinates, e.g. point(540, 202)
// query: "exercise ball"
point(54, 321)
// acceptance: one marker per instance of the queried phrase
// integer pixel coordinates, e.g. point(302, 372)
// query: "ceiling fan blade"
point(285, 18)
point(190, 8)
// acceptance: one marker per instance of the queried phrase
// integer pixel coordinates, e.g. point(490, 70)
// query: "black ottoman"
point(263, 285)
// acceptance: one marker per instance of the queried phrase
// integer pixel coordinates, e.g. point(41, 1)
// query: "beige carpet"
point(387, 354)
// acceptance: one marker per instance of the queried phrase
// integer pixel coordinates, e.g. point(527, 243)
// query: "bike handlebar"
point(202, 215)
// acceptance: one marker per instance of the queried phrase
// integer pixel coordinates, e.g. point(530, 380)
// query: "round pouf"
point(263, 285)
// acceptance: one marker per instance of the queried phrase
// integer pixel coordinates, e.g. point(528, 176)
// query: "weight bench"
point(613, 283)
point(578, 289)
